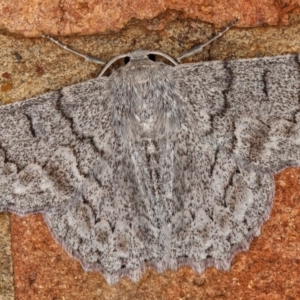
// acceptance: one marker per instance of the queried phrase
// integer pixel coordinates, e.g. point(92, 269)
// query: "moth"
point(156, 165)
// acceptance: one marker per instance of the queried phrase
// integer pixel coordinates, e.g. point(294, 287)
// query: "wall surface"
point(32, 66)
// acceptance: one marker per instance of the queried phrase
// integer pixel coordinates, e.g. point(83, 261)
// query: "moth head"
point(139, 56)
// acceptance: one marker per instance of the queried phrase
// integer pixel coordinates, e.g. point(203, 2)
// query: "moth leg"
point(198, 48)
point(89, 58)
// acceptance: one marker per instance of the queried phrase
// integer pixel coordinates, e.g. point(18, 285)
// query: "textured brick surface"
point(31, 17)
point(6, 272)
point(42, 270)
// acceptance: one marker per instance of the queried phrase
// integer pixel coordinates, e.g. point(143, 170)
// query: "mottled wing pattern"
point(252, 106)
point(267, 129)
point(240, 124)
point(42, 155)
point(36, 165)
point(60, 156)
point(99, 228)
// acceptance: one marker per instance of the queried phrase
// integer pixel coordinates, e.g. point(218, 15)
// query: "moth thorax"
point(145, 113)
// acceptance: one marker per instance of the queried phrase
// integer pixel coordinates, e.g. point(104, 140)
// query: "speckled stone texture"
point(6, 269)
point(32, 17)
point(42, 270)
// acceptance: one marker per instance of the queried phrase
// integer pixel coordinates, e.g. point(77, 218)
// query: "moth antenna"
point(110, 62)
point(167, 56)
point(88, 58)
point(199, 48)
